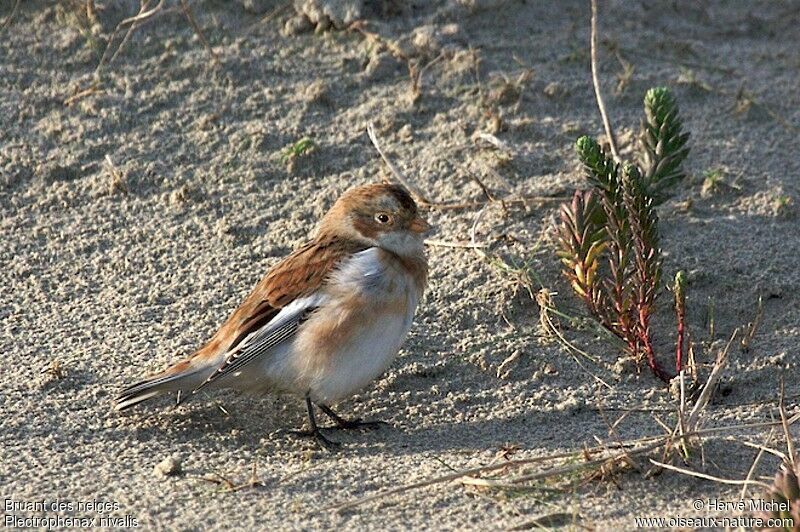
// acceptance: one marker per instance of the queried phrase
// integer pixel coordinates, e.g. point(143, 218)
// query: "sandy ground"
point(116, 280)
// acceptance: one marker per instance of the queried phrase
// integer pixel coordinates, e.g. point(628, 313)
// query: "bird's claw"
point(322, 441)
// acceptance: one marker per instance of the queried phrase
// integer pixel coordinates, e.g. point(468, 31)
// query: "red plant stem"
point(644, 332)
point(681, 314)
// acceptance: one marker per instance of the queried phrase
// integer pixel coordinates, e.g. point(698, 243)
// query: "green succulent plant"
point(664, 144)
point(583, 240)
point(608, 240)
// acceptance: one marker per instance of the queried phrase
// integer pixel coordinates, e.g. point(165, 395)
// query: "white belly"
point(360, 360)
point(350, 340)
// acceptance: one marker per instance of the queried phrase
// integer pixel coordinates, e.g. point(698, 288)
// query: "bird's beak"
point(419, 225)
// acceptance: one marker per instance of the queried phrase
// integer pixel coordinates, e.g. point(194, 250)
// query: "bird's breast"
point(353, 338)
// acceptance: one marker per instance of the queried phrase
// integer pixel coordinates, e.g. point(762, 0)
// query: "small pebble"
point(405, 133)
point(168, 467)
point(297, 25)
point(554, 90)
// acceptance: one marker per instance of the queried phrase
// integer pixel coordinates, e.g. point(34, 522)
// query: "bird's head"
point(381, 215)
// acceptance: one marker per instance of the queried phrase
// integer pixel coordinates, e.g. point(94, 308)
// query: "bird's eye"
point(383, 218)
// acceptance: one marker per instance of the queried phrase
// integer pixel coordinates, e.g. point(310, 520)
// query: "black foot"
point(349, 424)
point(322, 441)
point(314, 432)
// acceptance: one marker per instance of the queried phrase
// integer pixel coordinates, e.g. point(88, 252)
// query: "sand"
point(135, 218)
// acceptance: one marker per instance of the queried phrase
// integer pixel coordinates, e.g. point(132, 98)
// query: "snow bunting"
point(325, 321)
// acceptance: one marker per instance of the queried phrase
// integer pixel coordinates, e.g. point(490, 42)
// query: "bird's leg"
point(314, 432)
point(346, 424)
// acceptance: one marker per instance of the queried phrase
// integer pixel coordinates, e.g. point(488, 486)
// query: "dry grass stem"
point(446, 244)
point(646, 445)
point(473, 231)
point(711, 385)
point(417, 81)
point(785, 425)
point(146, 13)
point(691, 362)
point(752, 327)
point(544, 302)
point(415, 191)
point(486, 192)
point(132, 23)
point(612, 142)
point(92, 89)
point(612, 429)
point(523, 200)
point(754, 466)
point(682, 411)
point(624, 455)
point(766, 449)
point(117, 183)
point(661, 423)
point(269, 16)
point(440, 480)
point(229, 485)
point(705, 476)
point(187, 11)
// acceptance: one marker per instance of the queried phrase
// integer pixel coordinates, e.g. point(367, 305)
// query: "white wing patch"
point(260, 342)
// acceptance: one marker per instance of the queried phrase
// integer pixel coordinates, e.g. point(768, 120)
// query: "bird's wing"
point(278, 304)
point(281, 328)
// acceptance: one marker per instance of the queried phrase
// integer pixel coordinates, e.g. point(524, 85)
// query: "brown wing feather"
point(298, 275)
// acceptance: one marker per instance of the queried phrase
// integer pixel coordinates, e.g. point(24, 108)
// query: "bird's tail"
point(182, 377)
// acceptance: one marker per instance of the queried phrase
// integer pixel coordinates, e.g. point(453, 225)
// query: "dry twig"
point(757, 459)
point(752, 327)
point(446, 244)
point(647, 444)
point(785, 425)
point(230, 486)
point(706, 476)
point(612, 142)
point(269, 16)
point(94, 88)
point(146, 13)
point(710, 386)
point(132, 23)
point(187, 11)
point(420, 197)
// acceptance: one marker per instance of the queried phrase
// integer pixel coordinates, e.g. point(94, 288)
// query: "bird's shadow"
point(264, 431)
point(425, 420)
